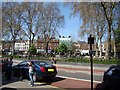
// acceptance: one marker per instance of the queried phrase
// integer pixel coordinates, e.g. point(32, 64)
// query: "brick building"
point(6, 45)
point(54, 43)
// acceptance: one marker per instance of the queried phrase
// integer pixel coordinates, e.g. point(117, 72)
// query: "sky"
point(72, 24)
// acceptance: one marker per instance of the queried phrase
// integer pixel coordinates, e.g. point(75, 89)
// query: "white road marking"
point(79, 79)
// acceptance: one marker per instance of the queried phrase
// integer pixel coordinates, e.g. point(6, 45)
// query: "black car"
point(43, 69)
point(111, 78)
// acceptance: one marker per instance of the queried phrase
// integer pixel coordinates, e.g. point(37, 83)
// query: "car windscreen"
point(41, 63)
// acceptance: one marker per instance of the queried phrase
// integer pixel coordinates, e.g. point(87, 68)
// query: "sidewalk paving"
point(25, 85)
point(16, 84)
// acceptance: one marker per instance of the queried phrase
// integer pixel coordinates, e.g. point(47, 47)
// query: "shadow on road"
point(8, 88)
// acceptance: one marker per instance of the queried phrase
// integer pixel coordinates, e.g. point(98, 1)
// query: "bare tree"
point(52, 20)
point(31, 20)
point(108, 8)
point(11, 22)
point(93, 15)
point(93, 21)
point(115, 26)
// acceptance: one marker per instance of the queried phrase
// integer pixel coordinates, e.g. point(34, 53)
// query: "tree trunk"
point(46, 48)
point(33, 38)
point(109, 41)
point(29, 49)
point(114, 44)
point(13, 47)
point(97, 51)
point(100, 49)
point(106, 52)
point(109, 21)
point(115, 55)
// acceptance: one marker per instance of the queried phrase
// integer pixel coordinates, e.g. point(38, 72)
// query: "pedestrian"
point(31, 73)
point(55, 60)
point(6, 68)
point(11, 58)
point(52, 59)
point(9, 69)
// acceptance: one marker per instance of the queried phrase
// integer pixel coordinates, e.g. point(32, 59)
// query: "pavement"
point(18, 85)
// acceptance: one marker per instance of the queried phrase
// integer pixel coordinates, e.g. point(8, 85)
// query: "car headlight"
point(110, 71)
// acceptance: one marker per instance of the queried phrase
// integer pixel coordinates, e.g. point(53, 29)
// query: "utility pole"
point(91, 41)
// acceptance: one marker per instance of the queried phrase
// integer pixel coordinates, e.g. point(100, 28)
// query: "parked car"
point(43, 69)
point(111, 78)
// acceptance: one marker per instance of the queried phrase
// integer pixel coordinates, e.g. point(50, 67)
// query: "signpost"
point(91, 41)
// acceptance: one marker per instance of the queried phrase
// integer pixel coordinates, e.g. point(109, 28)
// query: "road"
point(67, 78)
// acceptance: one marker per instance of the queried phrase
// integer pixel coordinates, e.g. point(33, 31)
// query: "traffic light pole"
point(91, 63)
point(91, 41)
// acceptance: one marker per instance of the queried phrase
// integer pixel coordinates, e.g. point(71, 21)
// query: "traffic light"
point(90, 40)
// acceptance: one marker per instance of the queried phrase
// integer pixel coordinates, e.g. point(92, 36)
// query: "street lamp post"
point(91, 41)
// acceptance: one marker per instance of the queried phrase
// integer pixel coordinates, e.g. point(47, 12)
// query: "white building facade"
point(22, 45)
point(66, 40)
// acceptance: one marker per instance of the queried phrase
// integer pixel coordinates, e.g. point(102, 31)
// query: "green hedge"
point(79, 60)
point(96, 61)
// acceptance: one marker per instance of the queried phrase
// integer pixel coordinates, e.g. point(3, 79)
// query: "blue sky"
point(72, 24)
